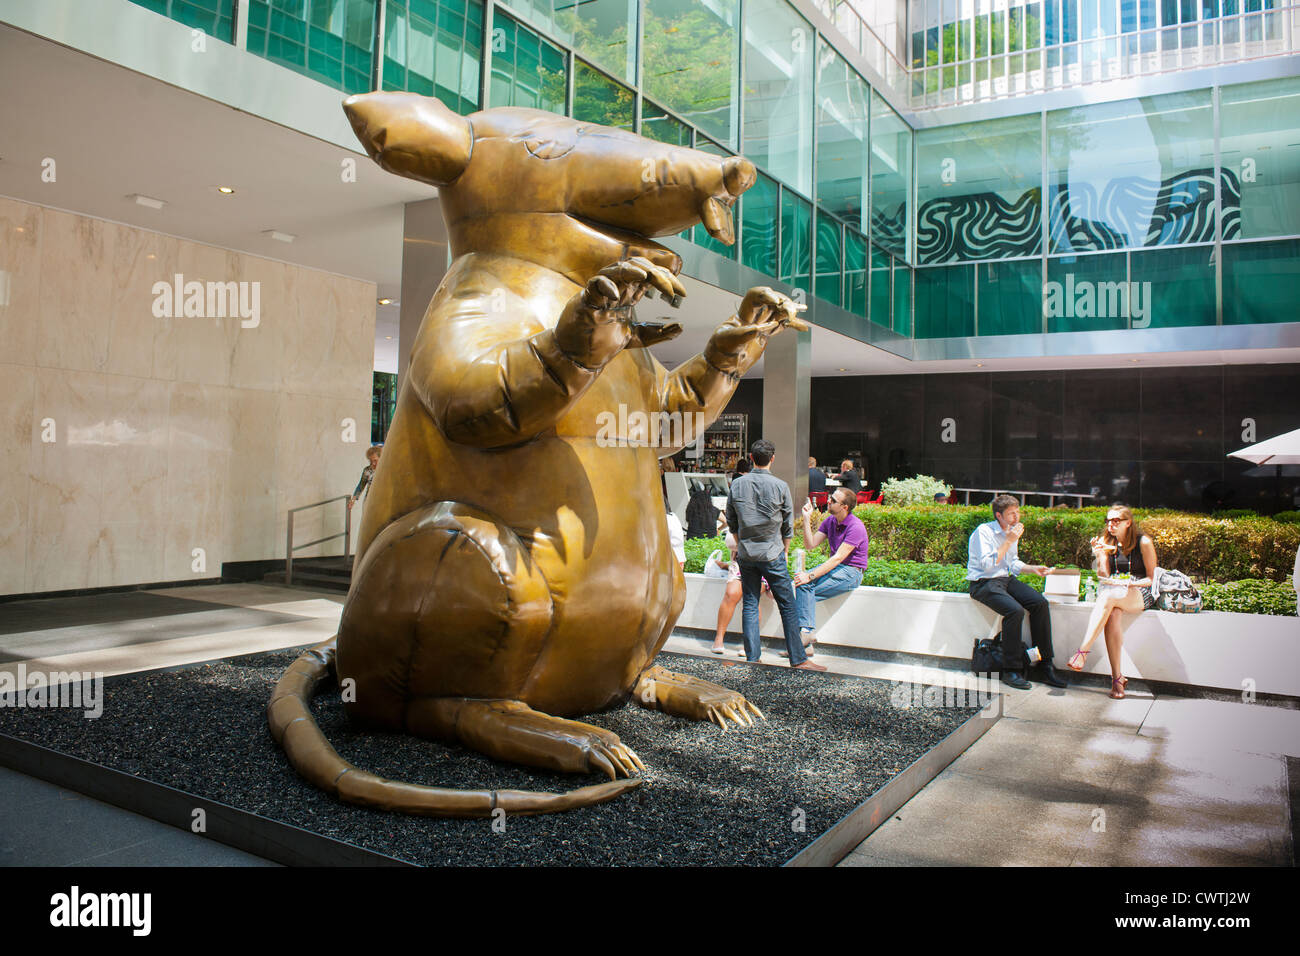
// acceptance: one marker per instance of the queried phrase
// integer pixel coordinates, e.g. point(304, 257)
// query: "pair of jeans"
point(752, 576)
point(842, 578)
point(1012, 599)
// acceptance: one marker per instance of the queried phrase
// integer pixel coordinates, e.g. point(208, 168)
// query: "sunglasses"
point(1114, 520)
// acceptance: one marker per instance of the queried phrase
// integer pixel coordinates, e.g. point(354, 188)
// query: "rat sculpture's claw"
point(601, 762)
point(757, 713)
point(652, 333)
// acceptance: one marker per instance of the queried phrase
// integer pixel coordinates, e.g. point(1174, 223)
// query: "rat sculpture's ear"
point(411, 135)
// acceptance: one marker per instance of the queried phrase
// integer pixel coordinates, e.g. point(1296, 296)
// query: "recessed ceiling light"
point(151, 256)
point(281, 236)
point(843, 370)
point(19, 229)
point(148, 201)
point(1134, 361)
point(227, 190)
point(979, 364)
point(385, 301)
point(388, 338)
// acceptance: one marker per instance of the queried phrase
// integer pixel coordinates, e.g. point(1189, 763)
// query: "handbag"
point(986, 656)
point(1174, 591)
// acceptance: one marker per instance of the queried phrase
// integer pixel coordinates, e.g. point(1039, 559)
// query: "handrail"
point(345, 534)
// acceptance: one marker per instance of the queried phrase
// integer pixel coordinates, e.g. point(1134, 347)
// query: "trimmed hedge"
point(1250, 597)
point(1201, 547)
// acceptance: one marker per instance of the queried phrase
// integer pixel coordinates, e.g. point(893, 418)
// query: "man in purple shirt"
point(842, 571)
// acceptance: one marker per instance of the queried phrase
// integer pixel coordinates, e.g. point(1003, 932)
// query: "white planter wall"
point(1210, 649)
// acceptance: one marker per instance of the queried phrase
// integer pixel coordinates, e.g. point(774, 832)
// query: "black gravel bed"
point(709, 798)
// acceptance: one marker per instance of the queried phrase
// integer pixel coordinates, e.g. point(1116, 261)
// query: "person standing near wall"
point(760, 512)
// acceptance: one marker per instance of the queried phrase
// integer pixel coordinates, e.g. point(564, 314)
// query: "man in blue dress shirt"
point(991, 569)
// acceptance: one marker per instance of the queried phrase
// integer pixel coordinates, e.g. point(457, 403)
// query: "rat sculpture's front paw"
point(598, 323)
point(737, 343)
point(685, 696)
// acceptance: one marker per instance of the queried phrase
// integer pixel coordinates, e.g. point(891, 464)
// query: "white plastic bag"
point(716, 566)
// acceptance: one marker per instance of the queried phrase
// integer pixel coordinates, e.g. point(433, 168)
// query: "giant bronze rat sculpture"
point(513, 570)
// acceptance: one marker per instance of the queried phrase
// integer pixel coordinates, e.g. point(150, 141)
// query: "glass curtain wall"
point(526, 70)
point(435, 47)
point(213, 17)
point(690, 62)
point(598, 99)
point(328, 40)
point(778, 66)
point(978, 190)
point(843, 108)
point(890, 171)
point(602, 31)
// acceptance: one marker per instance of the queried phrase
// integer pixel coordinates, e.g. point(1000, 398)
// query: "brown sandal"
point(1117, 687)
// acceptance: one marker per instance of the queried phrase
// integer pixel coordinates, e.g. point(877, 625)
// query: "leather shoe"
point(1015, 679)
point(1046, 674)
point(809, 666)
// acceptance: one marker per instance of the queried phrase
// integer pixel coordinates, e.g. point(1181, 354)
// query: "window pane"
point(829, 252)
point(843, 104)
point(758, 225)
point(855, 272)
point(656, 124)
point(1170, 287)
point(881, 267)
point(1132, 173)
point(526, 70)
point(1085, 293)
point(600, 30)
point(945, 302)
point(1010, 297)
point(213, 17)
point(1261, 282)
point(598, 99)
point(1260, 157)
point(779, 49)
point(435, 48)
point(690, 62)
point(891, 177)
point(796, 236)
point(902, 298)
point(977, 190)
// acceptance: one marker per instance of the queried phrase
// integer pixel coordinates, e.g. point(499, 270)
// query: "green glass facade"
point(1174, 211)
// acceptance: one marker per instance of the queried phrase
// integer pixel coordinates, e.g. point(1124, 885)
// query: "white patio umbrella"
point(1282, 450)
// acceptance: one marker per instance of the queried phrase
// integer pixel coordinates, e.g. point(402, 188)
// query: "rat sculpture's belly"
point(540, 573)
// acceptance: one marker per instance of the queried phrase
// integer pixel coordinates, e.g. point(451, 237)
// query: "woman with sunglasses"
point(1126, 559)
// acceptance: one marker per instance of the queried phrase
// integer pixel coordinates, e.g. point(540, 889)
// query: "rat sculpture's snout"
point(513, 569)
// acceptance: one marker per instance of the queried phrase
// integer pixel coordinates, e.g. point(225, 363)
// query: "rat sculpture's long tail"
point(296, 731)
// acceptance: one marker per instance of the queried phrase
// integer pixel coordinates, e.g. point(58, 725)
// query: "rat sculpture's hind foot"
point(511, 731)
point(684, 696)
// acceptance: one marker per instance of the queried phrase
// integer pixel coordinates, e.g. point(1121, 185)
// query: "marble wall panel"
point(140, 259)
point(76, 289)
point(133, 473)
point(17, 399)
point(171, 433)
point(65, 503)
point(198, 462)
point(258, 355)
point(251, 517)
point(20, 279)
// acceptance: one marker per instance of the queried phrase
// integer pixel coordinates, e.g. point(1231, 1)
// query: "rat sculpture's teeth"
point(717, 220)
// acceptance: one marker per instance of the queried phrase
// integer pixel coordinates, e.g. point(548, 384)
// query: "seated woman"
point(1126, 559)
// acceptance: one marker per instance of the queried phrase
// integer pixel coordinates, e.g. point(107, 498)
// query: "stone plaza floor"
point(1064, 778)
